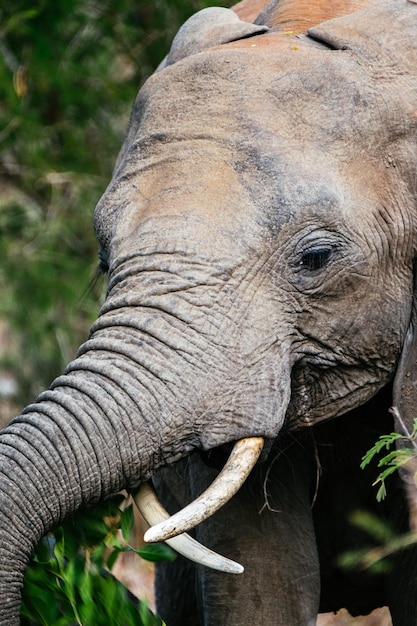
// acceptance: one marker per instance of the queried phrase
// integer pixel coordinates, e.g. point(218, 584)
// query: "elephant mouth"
point(173, 529)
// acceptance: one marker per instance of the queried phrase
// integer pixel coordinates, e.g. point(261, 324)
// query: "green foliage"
point(69, 580)
point(385, 542)
point(395, 459)
point(69, 73)
point(369, 557)
point(375, 558)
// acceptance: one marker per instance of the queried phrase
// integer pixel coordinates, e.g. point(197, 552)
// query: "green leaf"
point(59, 551)
point(126, 522)
point(147, 617)
point(86, 594)
point(372, 525)
point(385, 441)
point(381, 493)
point(156, 552)
point(392, 461)
point(113, 558)
point(14, 24)
point(351, 559)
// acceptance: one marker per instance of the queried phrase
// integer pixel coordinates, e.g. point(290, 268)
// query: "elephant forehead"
point(238, 127)
point(244, 94)
point(247, 193)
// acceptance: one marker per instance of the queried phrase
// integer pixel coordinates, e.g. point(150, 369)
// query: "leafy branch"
point(375, 558)
point(69, 581)
point(395, 459)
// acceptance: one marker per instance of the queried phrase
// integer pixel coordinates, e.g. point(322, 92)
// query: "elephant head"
point(259, 239)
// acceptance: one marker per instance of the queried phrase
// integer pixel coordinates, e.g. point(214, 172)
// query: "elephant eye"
point(315, 259)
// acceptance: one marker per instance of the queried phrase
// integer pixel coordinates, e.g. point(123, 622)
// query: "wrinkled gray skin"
point(260, 229)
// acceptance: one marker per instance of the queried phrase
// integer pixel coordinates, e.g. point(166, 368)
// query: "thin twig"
point(397, 415)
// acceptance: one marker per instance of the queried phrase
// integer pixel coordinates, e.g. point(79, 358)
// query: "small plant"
point(395, 459)
point(375, 557)
point(69, 580)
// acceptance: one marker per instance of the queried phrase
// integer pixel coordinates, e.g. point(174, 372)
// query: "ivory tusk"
point(152, 510)
point(238, 466)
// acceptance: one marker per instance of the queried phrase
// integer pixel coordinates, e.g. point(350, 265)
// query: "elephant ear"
point(384, 36)
point(207, 28)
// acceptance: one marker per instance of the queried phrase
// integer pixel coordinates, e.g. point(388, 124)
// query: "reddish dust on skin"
point(297, 16)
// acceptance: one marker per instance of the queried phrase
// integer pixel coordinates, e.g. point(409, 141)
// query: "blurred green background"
point(69, 72)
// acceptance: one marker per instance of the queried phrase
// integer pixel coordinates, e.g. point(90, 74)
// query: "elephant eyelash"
point(316, 259)
point(101, 269)
point(103, 266)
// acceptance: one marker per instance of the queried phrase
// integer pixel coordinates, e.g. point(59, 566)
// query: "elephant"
point(259, 239)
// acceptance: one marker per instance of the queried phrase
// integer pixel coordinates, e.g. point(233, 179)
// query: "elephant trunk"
point(88, 437)
point(158, 378)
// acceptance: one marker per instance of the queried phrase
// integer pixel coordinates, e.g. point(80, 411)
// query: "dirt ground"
point(380, 617)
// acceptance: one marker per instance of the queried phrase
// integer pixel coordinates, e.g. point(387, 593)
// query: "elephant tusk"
point(240, 463)
point(148, 504)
